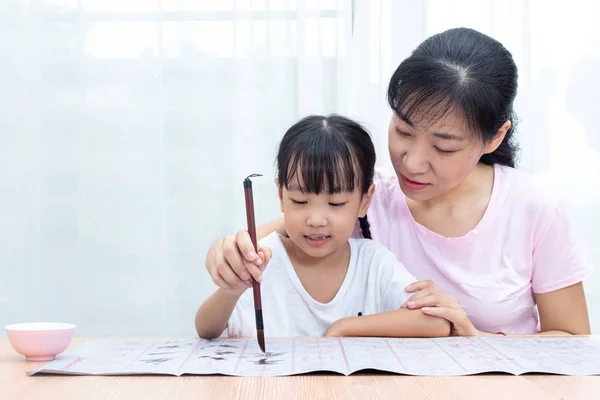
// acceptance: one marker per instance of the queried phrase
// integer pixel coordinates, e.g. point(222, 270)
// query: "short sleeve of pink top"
point(524, 243)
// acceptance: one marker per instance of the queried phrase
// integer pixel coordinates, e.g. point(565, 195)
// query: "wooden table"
point(15, 384)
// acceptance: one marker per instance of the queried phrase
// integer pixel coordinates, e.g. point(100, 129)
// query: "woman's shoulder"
point(526, 189)
point(386, 202)
point(385, 178)
point(559, 254)
point(521, 191)
point(387, 188)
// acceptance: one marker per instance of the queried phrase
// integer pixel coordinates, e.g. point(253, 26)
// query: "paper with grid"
point(289, 356)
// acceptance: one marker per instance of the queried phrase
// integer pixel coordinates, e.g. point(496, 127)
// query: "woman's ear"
point(366, 201)
point(498, 138)
point(279, 194)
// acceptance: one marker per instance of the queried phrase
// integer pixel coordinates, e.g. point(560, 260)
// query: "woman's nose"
point(415, 162)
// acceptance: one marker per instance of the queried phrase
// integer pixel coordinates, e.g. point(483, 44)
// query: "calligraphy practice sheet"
point(288, 356)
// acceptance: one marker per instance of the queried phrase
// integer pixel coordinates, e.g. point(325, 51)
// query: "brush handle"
point(252, 231)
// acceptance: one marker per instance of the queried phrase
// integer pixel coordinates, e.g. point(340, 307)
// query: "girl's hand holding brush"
point(235, 262)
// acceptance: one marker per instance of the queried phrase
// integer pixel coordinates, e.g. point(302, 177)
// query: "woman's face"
point(431, 159)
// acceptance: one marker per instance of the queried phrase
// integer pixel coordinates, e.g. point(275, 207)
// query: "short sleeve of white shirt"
point(394, 279)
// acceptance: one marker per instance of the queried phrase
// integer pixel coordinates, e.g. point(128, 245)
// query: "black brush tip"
point(260, 335)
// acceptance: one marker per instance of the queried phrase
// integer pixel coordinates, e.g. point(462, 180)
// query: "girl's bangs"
point(325, 171)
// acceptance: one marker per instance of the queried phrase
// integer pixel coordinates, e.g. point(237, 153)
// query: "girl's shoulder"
point(271, 240)
point(371, 251)
point(376, 261)
point(274, 242)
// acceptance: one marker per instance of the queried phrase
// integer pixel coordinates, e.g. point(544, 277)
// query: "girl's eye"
point(445, 152)
point(337, 204)
point(298, 202)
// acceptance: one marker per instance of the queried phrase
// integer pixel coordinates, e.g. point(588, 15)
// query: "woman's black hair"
point(460, 70)
point(330, 153)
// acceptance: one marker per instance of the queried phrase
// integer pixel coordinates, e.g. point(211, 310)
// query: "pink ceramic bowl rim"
point(39, 326)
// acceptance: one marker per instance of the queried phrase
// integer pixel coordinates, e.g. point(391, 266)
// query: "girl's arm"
point(392, 320)
point(213, 314)
point(397, 323)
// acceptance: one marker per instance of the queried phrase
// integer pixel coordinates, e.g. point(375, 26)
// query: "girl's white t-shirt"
point(374, 283)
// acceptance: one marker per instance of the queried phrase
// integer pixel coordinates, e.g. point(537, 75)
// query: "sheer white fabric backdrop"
point(127, 127)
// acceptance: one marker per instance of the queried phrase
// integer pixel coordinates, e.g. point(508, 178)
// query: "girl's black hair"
point(460, 70)
point(330, 153)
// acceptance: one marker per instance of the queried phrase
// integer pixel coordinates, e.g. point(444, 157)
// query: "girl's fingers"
point(229, 276)
point(224, 272)
point(246, 247)
point(253, 270)
point(236, 262)
point(265, 254)
point(232, 259)
point(220, 282)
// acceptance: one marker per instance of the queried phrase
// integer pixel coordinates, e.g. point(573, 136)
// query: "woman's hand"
point(231, 261)
point(432, 301)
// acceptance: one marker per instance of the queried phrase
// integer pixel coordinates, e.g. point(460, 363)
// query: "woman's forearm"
point(554, 333)
point(213, 314)
point(545, 333)
point(271, 226)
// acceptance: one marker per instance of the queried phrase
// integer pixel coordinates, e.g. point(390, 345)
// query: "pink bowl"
point(40, 341)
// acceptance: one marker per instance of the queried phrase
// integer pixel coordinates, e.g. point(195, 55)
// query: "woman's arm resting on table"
point(563, 311)
point(560, 255)
point(396, 323)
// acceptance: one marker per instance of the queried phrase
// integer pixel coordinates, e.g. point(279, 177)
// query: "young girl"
point(320, 281)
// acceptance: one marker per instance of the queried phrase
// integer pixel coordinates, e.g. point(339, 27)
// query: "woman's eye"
point(445, 152)
point(401, 133)
point(337, 204)
point(298, 202)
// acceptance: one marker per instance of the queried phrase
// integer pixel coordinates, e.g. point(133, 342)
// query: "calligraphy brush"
point(260, 333)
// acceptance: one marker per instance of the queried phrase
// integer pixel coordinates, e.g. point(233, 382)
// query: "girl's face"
point(320, 224)
point(433, 159)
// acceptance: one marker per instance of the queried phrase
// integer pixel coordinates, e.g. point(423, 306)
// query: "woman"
point(495, 254)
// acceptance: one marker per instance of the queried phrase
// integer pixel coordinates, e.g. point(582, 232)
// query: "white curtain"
point(127, 127)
